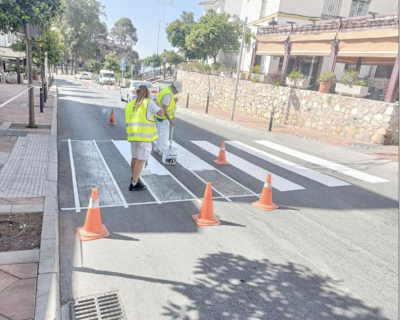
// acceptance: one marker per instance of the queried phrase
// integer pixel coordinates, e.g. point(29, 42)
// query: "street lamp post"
point(238, 21)
point(164, 60)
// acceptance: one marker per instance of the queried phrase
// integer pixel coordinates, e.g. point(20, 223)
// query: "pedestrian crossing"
point(106, 165)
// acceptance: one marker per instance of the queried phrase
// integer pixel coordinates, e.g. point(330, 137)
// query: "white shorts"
point(140, 150)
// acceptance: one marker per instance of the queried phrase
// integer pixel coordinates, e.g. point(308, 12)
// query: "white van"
point(107, 77)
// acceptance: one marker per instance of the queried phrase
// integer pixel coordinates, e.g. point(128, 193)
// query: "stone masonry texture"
point(324, 112)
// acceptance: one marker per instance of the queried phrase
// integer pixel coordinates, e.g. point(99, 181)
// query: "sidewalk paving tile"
point(21, 271)
point(6, 280)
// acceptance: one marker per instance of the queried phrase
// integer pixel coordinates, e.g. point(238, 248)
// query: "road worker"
point(142, 131)
point(167, 100)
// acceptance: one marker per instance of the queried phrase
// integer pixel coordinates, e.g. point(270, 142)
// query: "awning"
point(7, 52)
point(382, 61)
point(312, 44)
point(368, 34)
point(370, 47)
point(271, 45)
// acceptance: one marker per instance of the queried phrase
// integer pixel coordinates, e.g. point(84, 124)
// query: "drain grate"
point(100, 307)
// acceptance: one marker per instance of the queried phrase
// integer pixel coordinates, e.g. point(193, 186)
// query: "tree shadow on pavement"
point(231, 287)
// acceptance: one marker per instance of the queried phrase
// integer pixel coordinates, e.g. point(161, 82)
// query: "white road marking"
point(259, 173)
point(74, 183)
point(324, 163)
point(155, 167)
point(305, 172)
point(111, 176)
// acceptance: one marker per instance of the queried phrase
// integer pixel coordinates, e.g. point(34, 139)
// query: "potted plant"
point(256, 71)
point(326, 80)
point(256, 78)
point(35, 72)
point(349, 85)
point(215, 68)
point(295, 79)
point(277, 78)
point(225, 72)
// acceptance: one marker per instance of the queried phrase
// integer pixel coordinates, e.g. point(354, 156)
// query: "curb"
point(48, 282)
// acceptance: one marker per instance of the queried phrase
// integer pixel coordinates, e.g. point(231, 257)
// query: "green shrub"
point(223, 68)
point(277, 84)
point(256, 79)
point(360, 83)
point(234, 70)
point(295, 74)
point(35, 70)
point(349, 77)
point(216, 66)
point(256, 69)
point(327, 77)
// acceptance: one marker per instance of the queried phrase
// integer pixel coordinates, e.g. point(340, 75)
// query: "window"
point(331, 9)
point(359, 8)
point(263, 8)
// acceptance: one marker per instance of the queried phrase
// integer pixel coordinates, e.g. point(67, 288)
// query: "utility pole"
point(29, 71)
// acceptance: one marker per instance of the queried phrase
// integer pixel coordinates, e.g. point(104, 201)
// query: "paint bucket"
point(169, 156)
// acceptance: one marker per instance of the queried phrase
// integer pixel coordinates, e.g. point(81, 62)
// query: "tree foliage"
point(152, 59)
point(95, 65)
point(111, 63)
point(178, 30)
point(213, 33)
point(173, 58)
point(124, 31)
point(38, 13)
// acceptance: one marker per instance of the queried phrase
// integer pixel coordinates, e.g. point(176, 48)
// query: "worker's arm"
point(160, 113)
point(165, 108)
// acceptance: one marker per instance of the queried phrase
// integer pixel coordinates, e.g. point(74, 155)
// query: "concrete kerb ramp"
point(48, 283)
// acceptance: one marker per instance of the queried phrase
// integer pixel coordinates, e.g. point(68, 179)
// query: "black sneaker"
point(137, 187)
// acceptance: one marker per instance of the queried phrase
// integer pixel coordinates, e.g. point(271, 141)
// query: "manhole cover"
point(99, 307)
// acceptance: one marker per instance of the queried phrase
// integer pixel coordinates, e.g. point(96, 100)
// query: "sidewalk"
point(24, 194)
point(262, 125)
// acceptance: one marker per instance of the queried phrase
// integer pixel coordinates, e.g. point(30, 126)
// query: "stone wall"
point(379, 83)
point(257, 99)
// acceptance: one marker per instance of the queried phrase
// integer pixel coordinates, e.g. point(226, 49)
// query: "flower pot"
point(298, 83)
point(35, 77)
point(242, 75)
point(324, 87)
point(351, 90)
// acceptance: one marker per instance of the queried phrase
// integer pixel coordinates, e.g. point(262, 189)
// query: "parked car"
point(128, 92)
point(107, 77)
point(82, 76)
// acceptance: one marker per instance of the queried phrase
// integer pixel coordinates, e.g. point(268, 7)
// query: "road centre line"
point(167, 201)
point(323, 163)
point(111, 175)
point(74, 183)
point(259, 173)
point(290, 166)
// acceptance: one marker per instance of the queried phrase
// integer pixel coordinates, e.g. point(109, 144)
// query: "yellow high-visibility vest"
point(138, 127)
point(171, 107)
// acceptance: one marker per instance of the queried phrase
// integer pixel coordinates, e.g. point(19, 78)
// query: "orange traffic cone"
point(112, 118)
point(206, 216)
point(265, 203)
point(93, 228)
point(221, 157)
point(115, 87)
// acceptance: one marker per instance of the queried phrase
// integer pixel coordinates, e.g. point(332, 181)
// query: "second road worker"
point(166, 99)
point(142, 131)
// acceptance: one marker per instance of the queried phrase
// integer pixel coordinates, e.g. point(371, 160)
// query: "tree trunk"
point(29, 69)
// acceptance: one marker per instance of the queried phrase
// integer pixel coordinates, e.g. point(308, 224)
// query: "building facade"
point(268, 12)
point(6, 53)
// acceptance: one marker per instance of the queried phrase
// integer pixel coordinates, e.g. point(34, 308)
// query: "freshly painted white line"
point(151, 191)
point(192, 162)
point(111, 176)
point(305, 172)
point(74, 183)
point(323, 163)
point(154, 165)
point(259, 173)
point(224, 196)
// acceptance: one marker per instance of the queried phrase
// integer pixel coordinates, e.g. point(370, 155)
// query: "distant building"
point(6, 53)
point(267, 12)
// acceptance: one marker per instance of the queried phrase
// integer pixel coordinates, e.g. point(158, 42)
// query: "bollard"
point(41, 100)
point(208, 101)
point(45, 92)
point(187, 101)
point(271, 119)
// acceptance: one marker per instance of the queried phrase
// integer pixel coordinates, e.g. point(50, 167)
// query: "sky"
point(146, 16)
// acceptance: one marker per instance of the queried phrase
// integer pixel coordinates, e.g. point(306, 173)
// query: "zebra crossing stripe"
point(323, 163)
point(280, 183)
point(290, 166)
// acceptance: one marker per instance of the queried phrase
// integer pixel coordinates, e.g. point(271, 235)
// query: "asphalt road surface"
point(329, 252)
